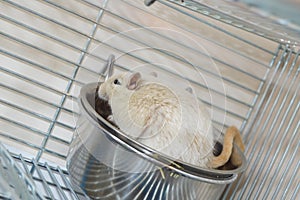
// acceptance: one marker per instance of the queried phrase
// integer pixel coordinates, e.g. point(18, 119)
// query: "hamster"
point(173, 123)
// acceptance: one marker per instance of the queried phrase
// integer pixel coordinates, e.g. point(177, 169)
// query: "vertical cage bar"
point(58, 187)
point(262, 101)
point(70, 82)
point(277, 133)
point(263, 146)
point(287, 168)
point(45, 184)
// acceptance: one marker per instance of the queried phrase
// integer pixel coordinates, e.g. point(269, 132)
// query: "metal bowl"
point(106, 164)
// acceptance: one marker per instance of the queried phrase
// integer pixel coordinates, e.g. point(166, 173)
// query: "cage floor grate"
point(49, 49)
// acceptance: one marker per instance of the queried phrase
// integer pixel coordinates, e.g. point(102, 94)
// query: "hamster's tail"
point(232, 135)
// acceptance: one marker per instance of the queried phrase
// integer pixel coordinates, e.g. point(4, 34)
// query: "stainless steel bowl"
point(107, 164)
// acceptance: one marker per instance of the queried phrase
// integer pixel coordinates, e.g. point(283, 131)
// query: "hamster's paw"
point(110, 118)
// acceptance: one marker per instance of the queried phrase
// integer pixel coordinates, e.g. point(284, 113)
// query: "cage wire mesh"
point(47, 55)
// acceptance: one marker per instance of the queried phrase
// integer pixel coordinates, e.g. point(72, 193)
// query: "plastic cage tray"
point(50, 49)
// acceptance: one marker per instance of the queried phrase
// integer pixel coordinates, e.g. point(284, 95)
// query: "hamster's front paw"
point(110, 118)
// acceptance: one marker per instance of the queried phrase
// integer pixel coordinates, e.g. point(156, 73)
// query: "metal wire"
point(238, 16)
point(62, 188)
point(269, 111)
point(272, 110)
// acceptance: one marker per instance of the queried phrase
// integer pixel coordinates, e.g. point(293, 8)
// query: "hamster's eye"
point(117, 82)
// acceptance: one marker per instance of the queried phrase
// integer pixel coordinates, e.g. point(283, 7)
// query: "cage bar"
point(49, 51)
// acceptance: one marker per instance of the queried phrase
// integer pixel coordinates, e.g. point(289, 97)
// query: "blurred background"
point(285, 9)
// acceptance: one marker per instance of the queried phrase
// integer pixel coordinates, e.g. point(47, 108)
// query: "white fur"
point(174, 123)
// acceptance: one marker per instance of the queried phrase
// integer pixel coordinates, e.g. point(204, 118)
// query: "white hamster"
point(173, 123)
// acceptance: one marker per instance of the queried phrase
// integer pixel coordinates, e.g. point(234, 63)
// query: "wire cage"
point(51, 48)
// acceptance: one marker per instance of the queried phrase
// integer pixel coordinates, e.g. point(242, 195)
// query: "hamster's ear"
point(133, 81)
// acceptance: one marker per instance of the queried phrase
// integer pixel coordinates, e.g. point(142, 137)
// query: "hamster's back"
point(170, 123)
point(151, 100)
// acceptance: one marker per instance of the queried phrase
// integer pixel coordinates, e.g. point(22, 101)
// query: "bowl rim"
point(203, 174)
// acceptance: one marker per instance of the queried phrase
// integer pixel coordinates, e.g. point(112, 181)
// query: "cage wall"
point(245, 72)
